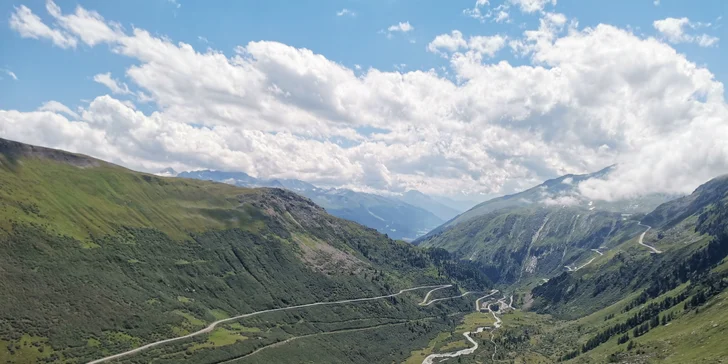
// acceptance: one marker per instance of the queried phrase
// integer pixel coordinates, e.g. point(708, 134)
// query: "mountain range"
point(97, 260)
point(562, 192)
point(405, 217)
point(540, 231)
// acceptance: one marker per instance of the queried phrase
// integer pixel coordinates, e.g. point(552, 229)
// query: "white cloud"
point(10, 73)
point(57, 107)
point(502, 17)
point(656, 2)
point(477, 11)
point(482, 11)
point(401, 27)
point(346, 12)
point(583, 99)
point(405, 27)
point(532, 6)
point(561, 201)
point(486, 45)
point(29, 25)
point(674, 31)
point(113, 85)
point(705, 40)
point(89, 26)
point(447, 42)
point(550, 26)
point(478, 45)
point(175, 3)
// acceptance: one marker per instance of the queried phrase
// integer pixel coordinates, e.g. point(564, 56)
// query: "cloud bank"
point(586, 98)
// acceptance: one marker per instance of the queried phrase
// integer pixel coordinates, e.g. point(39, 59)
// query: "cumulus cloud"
point(57, 107)
point(113, 85)
point(486, 45)
point(550, 26)
point(531, 6)
point(453, 42)
point(447, 42)
point(29, 25)
point(502, 17)
point(401, 27)
point(88, 26)
point(674, 31)
point(477, 11)
point(583, 99)
point(482, 11)
point(705, 40)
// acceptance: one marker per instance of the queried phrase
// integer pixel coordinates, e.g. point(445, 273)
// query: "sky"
point(468, 99)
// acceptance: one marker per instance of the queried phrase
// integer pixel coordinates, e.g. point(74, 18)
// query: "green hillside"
point(98, 259)
point(629, 305)
point(528, 243)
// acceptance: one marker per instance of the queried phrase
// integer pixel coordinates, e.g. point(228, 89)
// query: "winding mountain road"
point(424, 303)
point(212, 326)
point(430, 359)
point(477, 302)
point(654, 250)
point(640, 241)
point(427, 296)
point(585, 264)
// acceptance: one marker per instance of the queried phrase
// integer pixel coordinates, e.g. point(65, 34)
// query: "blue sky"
point(557, 87)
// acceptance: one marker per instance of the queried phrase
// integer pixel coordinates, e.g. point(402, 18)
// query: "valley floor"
point(690, 336)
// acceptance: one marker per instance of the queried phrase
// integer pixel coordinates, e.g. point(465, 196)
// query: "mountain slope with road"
point(657, 294)
point(526, 243)
point(98, 259)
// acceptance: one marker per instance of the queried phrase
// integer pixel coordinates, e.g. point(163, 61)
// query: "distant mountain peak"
point(399, 219)
point(167, 172)
point(562, 192)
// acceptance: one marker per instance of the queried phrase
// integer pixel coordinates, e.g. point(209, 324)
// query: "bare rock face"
point(285, 205)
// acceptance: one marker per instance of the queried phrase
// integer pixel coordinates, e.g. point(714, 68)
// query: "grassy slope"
point(81, 202)
point(693, 336)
